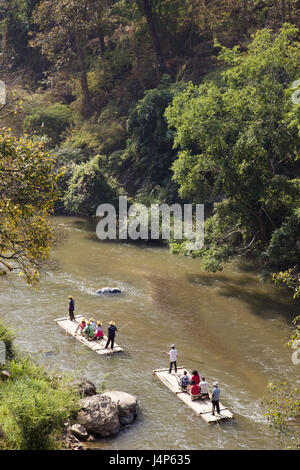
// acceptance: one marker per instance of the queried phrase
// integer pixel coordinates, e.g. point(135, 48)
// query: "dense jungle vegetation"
point(166, 101)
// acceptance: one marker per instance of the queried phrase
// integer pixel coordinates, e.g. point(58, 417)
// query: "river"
point(229, 326)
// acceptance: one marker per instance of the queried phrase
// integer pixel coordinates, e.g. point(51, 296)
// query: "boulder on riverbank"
point(99, 415)
point(127, 406)
point(85, 388)
point(72, 442)
point(103, 415)
point(79, 431)
point(4, 374)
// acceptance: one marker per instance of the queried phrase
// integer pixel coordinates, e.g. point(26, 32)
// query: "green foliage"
point(51, 121)
point(34, 406)
point(149, 147)
point(7, 336)
point(284, 247)
point(283, 402)
point(27, 193)
point(289, 278)
point(87, 189)
point(239, 144)
point(283, 412)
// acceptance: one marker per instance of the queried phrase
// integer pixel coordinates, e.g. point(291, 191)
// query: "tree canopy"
point(27, 194)
point(238, 147)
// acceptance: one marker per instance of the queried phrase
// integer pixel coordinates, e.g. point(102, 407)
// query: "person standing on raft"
point(111, 334)
point(71, 308)
point(173, 358)
point(215, 398)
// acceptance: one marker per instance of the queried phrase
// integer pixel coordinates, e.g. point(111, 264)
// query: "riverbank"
point(43, 410)
point(35, 403)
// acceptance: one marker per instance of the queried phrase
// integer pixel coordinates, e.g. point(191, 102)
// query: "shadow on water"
point(247, 289)
point(260, 303)
point(211, 279)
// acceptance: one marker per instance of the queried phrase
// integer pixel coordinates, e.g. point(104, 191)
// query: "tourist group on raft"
point(197, 388)
point(92, 329)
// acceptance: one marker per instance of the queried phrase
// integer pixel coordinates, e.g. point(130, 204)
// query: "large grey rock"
point(79, 431)
point(4, 374)
point(72, 442)
point(109, 290)
point(127, 406)
point(99, 415)
point(85, 387)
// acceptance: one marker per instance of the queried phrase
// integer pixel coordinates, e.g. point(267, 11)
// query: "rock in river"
point(109, 290)
point(99, 415)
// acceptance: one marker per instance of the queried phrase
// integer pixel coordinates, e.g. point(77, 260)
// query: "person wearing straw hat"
point(81, 326)
point(99, 333)
point(111, 334)
point(93, 323)
point(71, 308)
point(89, 331)
point(215, 398)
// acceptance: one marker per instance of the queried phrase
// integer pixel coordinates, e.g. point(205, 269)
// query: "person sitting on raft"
point(89, 331)
point(98, 332)
point(81, 326)
point(204, 388)
point(194, 390)
point(195, 377)
point(184, 380)
point(93, 323)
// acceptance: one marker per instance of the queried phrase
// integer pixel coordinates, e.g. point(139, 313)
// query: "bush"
point(7, 336)
point(51, 121)
point(149, 153)
point(34, 406)
point(284, 247)
point(87, 189)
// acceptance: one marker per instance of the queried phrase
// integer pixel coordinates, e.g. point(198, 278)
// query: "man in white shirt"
point(204, 388)
point(173, 357)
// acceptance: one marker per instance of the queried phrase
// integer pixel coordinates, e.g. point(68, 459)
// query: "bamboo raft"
point(96, 345)
point(202, 407)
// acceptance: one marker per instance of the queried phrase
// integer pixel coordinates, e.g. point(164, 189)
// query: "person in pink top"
point(98, 332)
point(81, 326)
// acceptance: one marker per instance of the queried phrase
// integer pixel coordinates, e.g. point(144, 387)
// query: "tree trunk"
point(4, 39)
point(83, 75)
point(261, 226)
point(101, 42)
point(245, 17)
point(283, 11)
point(154, 36)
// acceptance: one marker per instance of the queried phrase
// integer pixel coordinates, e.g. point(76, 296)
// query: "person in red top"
point(195, 389)
point(195, 377)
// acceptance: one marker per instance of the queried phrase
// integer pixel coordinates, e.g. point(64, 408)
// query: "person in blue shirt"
point(215, 398)
point(184, 380)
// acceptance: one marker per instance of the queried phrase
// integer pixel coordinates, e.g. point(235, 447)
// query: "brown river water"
point(229, 326)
